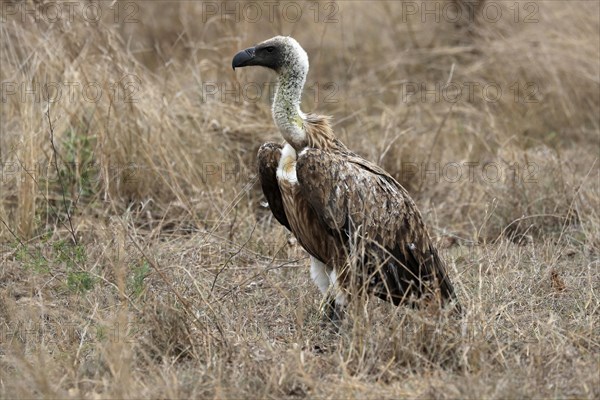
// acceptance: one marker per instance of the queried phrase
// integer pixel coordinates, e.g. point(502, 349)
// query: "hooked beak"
point(244, 58)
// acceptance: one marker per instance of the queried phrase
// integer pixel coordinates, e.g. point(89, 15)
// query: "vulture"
point(362, 230)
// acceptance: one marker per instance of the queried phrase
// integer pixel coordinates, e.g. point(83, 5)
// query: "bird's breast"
point(303, 221)
point(286, 170)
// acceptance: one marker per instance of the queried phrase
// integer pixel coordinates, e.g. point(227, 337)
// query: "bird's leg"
point(333, 312)
point(329, 312)
point(335, 305)
point(334, 300)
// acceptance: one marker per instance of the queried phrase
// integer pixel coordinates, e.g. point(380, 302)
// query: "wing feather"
point(361, 202)
point(268, 160)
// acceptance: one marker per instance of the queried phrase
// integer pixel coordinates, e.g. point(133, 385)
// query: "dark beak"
point(243, 58)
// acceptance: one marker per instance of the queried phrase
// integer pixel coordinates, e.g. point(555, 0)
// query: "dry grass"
point(141, 264)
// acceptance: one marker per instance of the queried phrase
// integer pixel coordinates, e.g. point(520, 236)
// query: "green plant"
point(140, 272)
point(74, 258)
point(31, 258)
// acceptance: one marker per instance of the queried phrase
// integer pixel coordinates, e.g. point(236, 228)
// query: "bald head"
point(282, 54)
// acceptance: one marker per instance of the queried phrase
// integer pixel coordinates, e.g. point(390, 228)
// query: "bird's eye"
point(270, 49)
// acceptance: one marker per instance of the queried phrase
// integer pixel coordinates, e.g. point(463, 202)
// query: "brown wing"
point(268, 160)
point(372, 212)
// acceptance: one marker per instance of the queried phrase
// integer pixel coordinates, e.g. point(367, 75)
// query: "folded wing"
point(268, 160)
point(372, 215)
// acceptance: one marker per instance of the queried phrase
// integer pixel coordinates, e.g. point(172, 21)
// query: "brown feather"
point(365, 209)
point(268, 159)
point(319, 133)
point(353, 216)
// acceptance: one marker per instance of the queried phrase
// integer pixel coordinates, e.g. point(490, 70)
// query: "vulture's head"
point(283, 54)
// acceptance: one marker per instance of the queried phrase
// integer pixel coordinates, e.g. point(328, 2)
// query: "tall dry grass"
point(137, 260)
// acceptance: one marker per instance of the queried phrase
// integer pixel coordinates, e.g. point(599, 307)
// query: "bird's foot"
point(333, 314)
